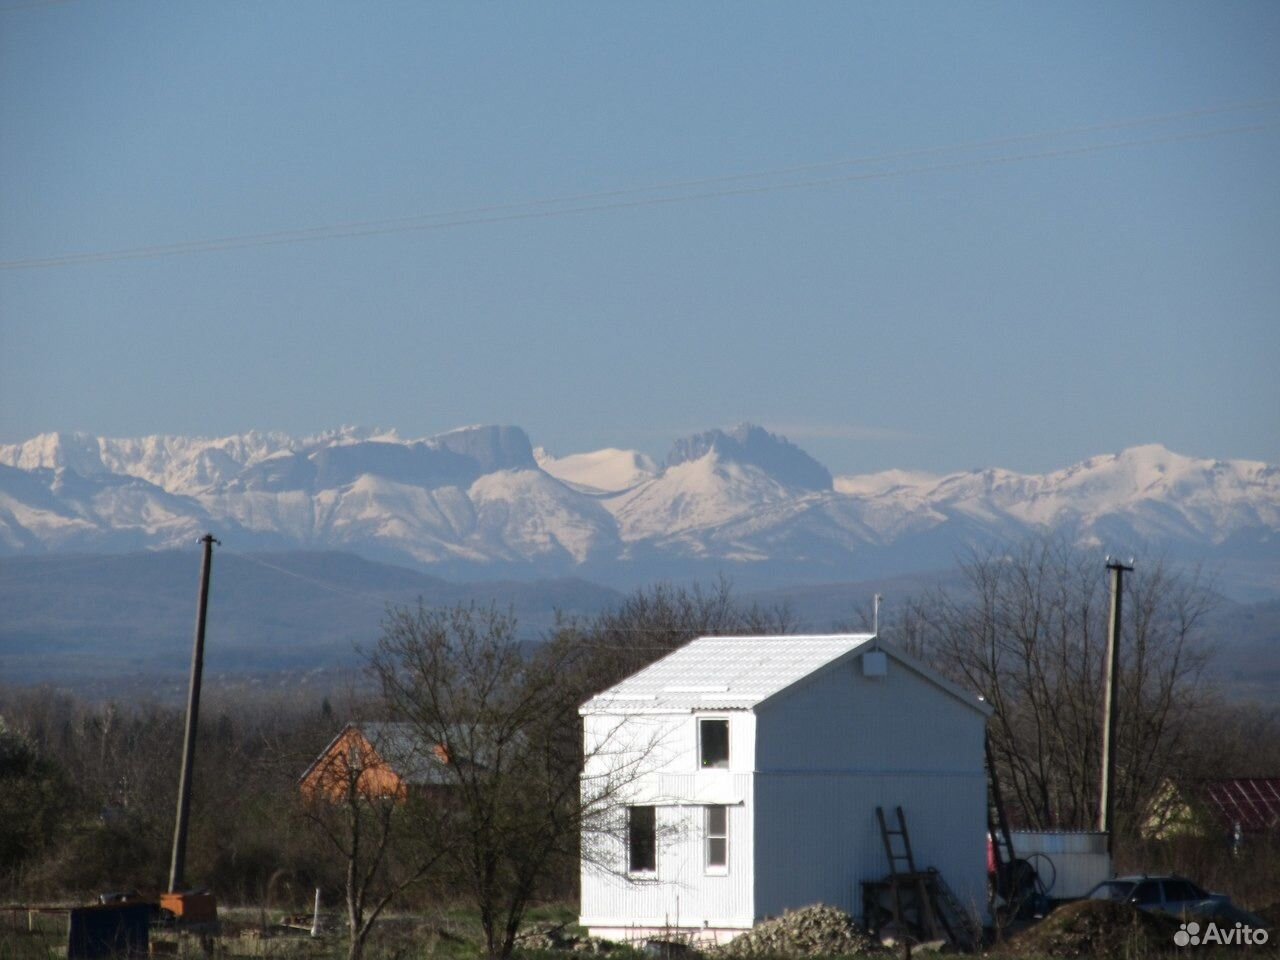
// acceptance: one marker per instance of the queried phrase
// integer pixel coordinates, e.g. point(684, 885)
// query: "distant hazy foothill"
point(79, 618)
point(482, 502)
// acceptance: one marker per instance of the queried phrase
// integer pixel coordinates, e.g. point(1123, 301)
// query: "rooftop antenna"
point(875, 614)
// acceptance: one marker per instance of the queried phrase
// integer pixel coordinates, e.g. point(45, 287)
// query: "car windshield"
point(1118, 890)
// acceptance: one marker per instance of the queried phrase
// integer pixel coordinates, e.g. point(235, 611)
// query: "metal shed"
point(756, 766)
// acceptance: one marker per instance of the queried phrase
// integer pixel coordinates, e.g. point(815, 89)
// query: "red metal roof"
point(1254, 803)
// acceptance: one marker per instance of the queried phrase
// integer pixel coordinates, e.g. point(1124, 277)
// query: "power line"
point(947, 148)
point(802, 168)
point(481, 215)
point(365, 596)
point(390, 601)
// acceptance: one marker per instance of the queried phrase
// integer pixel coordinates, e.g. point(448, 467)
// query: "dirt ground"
point(1101, 928)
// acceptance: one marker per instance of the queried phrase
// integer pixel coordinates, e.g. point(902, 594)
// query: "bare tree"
point(1028, 632)
point(506, 717)
point(367, 812)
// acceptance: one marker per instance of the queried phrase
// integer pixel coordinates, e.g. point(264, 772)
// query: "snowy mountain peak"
point(491, 447)
point(480, 498)
point(750, 445)
point(885, 481)
point(608, 471)
point(52, 451)
point(1148, 492)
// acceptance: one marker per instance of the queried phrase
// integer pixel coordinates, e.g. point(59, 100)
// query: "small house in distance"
point(383, 760)
point(754, 767)
point(1239, 809)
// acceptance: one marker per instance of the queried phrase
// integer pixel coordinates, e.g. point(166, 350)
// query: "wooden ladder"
point(938, 912)
point(910, 878)
point(998, 829)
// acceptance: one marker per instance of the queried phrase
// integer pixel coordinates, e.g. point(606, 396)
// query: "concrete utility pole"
point(178, 863)
point(1111, 695)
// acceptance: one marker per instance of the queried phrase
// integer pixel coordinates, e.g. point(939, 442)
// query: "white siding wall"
point(838, 719)
point(807, 771)
point(664, 742)
point(830, 752)
point(657, 757)
point(817, 838)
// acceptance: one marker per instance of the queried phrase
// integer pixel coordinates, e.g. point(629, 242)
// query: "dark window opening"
point(714, 742)
point(642, 846)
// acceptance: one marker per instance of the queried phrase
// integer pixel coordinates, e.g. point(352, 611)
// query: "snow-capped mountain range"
point(482, 499)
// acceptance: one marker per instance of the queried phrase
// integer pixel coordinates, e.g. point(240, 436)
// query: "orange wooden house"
point(378, 760)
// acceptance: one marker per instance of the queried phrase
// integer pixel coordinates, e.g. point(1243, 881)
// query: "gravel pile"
point(817, 931)
point(553, 936)
point(1095, 928)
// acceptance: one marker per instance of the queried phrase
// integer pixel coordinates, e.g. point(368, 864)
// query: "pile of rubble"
point(816, 931)
point(1095, 928)
point(553, 936)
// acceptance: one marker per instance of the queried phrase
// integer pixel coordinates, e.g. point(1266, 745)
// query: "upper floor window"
point(713, 743)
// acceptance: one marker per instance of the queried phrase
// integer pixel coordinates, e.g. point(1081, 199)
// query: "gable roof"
point(400, 745)
point(401, 748)
point(740, 673)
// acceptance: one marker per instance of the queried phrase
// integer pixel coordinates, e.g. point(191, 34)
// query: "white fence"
point(1079, 859)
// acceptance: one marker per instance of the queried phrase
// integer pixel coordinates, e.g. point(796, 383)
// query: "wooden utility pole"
point(178, 863)
point(1111, 695)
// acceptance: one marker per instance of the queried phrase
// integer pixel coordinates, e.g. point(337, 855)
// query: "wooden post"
point(178, 863)
point(1111, 697)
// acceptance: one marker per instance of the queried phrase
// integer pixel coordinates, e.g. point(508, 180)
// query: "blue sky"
point(1023, 303)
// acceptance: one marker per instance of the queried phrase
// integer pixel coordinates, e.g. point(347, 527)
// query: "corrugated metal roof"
point(1252, 802)
point(400, 745)
point(725, 673)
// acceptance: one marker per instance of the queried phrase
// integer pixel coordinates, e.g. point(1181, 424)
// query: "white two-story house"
point(745, 774)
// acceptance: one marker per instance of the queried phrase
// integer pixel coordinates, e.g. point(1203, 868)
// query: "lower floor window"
point(717, 834)
point(642, 845)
